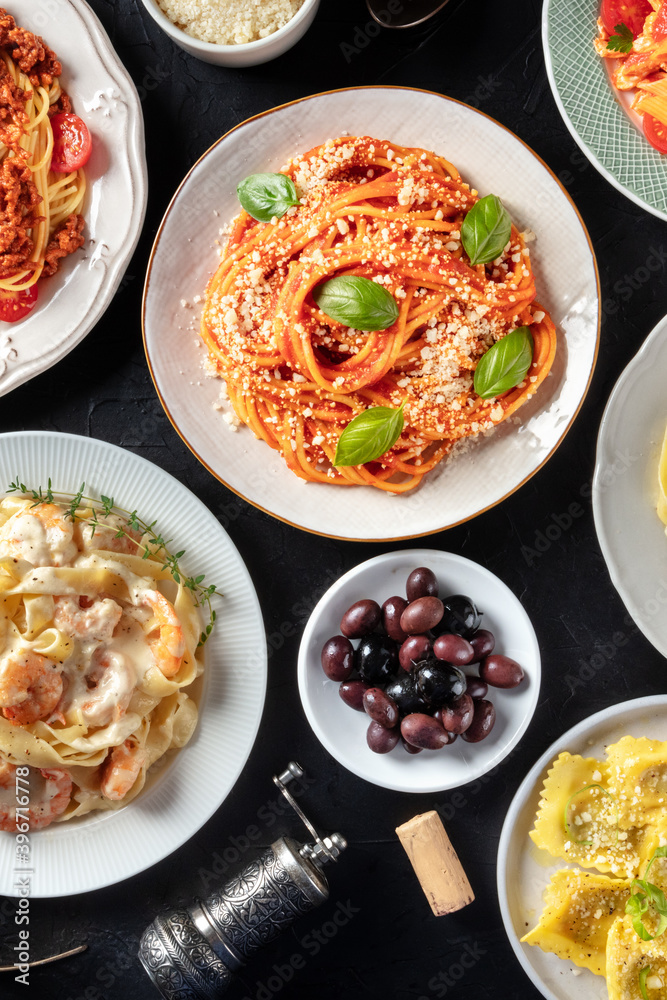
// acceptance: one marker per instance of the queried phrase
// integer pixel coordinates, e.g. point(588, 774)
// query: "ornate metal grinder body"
point(191, 954)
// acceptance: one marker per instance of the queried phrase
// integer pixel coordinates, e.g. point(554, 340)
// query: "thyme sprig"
point(152, 544)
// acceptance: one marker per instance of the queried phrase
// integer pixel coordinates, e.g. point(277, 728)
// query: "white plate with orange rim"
point(625, 487)
point(188, 785)
point(524, 870)
point(491, 159)
point(73, 300)
point(342, 730)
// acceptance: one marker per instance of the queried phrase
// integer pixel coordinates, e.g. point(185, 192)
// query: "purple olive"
point(482, 722)
point(414, 649)
point(421, 583)
point(338, 658)
point(438, 715)
point(381, 707)
point(476, 688)
point(501, 671)
point(392, 609)
point(458, 715)
point(421, 615)
point(409, 747)
point(483, 643)
point(360, 619)
point(424, 731)
point(453, 649)
point(381, 740)
point(352, 693)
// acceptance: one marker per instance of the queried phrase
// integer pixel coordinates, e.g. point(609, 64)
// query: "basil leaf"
point(638, 904)
point(505, 364)
point(643, 976)
point(357, 302)
point(486, 230)
point(267, 196)
point(369, 435)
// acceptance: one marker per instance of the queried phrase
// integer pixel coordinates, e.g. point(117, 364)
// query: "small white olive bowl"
point(246, 53)
point(342, 730)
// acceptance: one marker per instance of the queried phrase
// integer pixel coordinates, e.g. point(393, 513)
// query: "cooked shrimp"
point(121, 769)
point(49, 796)
point(42, 535)
point(90, 622)
point(104, 534)
point(169, 646)
point(30, 687)
point(112, 681)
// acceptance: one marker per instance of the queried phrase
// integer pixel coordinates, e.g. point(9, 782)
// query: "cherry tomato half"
point(656, 133)
point(17, 305)
point(72, 144)
point(659, 29)
point(630, 12)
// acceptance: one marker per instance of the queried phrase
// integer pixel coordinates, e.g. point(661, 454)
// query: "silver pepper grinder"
point(191, 954)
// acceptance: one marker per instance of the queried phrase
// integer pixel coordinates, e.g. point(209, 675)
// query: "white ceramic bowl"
point(247, 54)
point(342, 731)
point(524, 870)
point(491, 159)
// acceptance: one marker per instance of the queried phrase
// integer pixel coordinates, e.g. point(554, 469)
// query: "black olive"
point(404, 692)
point(376, 659)
point(439, 683)
point(460, 617)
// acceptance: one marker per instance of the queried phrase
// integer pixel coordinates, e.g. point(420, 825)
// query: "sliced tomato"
point(659, 29)
point(72, 144)
point(656, 133)
point(17, 305)
point(630, 12)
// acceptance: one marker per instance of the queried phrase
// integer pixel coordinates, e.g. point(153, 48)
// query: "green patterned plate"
point(592, 111)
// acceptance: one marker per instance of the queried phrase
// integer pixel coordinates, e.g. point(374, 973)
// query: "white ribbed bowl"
point(246, 54)
point(103, 848)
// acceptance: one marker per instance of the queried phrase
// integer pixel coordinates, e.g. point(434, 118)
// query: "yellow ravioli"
point(627, 955)
point(580, 908)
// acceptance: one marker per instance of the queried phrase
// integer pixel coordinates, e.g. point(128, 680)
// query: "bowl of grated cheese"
point(234, 32)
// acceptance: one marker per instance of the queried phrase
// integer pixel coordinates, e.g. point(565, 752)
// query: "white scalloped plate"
point(524, 870)
point(625, 487)
point(187, 786)
point(103, 94)
point(488, 156)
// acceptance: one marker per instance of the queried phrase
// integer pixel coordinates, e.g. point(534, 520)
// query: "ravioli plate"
point(524, 870)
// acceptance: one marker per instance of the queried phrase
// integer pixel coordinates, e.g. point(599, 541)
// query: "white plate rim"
point(93, 40)
point(216, 474)
point(413, 558)
point(61, 842)
point(527, 787)
point(620, 118)
point(651, 346)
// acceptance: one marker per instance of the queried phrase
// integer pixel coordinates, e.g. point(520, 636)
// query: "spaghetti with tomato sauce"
point(43, 148)
point(297, 378)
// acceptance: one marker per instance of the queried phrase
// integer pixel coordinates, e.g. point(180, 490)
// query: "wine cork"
point(436, 863)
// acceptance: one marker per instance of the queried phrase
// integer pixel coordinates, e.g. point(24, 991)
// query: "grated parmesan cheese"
point(230, 22)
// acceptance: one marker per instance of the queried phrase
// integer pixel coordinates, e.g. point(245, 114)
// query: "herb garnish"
point(267, 196)
point(505, 364)
point(566, 822)
point(622, 40)
point(643, 976)
point(486, 230)
point(638, 903)
point(152, 543)
point(357, 302)
point(369, 435)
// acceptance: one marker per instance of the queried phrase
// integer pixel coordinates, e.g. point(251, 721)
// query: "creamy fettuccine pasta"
point(98, 646)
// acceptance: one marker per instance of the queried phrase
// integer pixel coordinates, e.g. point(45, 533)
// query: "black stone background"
point(488, 54)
